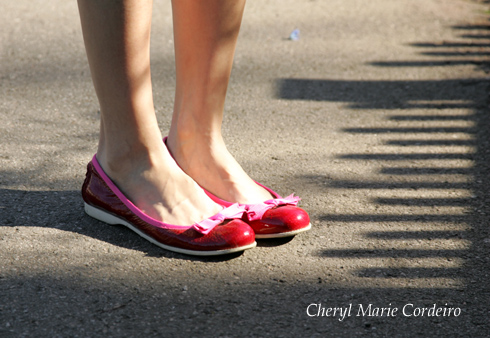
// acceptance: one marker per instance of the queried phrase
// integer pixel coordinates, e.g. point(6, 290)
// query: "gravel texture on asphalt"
point(377, 116)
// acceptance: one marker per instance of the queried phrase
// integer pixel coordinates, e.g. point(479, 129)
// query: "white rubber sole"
point(284, 234)
point(108, 218)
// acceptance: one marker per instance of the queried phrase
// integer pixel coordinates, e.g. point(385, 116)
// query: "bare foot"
point(159, 188)
point(210, 164)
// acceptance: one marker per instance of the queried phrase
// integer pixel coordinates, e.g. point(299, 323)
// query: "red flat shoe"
point(274, 218)
point(222, 233)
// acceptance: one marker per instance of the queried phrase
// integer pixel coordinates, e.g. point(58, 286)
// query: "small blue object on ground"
point(294, 35)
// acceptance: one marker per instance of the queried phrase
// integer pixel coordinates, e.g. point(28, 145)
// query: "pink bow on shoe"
point(232, 212)
point(256, 211)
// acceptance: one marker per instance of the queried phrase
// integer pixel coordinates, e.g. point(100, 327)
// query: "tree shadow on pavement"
point(129, 303)
point(63, 210)
point(419, 159)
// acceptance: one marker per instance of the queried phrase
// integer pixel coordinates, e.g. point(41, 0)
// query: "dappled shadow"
point(434, 173)
point(431, 142)
point(410, 94)
point(455, 53)
point(194, 300)
point(424, 201)
point(411, 273)
point(401, 235)
point(63, 210)
point(427, 170)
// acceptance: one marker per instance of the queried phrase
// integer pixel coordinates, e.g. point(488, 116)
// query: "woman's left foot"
point(211, 165)
point(223, 179)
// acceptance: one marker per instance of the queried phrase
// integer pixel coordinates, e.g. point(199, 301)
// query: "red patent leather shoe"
point(274, 218)
point(220, 234)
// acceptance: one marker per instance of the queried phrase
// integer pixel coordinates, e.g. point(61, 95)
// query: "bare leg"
point(131, 151)
point(206, 33)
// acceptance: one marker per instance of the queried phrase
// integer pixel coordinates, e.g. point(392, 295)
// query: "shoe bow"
point(232, 212)
point(256, 211)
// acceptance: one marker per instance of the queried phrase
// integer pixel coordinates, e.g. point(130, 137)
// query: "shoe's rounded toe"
point(235, 234)
point(230, 236)
point(281, 221)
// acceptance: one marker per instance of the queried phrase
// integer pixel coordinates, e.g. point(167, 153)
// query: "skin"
point(205, 41)
point(131, 151)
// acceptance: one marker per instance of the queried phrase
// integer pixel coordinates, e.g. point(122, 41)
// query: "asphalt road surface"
point(377, 116)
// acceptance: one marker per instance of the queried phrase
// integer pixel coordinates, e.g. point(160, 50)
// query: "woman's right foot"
point(220, 234)
point(159, 188)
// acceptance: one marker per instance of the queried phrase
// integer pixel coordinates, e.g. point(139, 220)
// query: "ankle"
point(190, 125)
point(121, 162)
point(196, 150)
point(193, 139)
